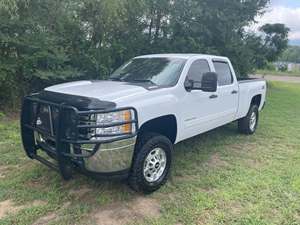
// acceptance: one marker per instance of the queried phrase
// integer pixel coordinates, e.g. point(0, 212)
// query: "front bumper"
point(109, 156)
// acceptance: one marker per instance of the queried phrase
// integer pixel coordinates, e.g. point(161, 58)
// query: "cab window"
point(224, 73)
point(196, 71)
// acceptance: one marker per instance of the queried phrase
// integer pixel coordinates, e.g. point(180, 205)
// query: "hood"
point(102, 90)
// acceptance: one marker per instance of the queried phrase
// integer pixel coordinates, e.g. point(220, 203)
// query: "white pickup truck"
point(126, 126)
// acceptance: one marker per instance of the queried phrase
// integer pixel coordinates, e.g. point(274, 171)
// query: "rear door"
point(227, 91)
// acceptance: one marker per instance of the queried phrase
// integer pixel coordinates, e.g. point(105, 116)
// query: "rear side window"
point(196, 71)
point(224, 73)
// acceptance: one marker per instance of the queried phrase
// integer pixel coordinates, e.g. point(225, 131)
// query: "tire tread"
point(145, 141)
point(243, 123)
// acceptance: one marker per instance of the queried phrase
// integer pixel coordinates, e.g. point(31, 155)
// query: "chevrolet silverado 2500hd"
point(126, 126)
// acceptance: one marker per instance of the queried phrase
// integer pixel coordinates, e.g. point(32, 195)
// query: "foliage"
point(275, 40)
point(270, 66)
point(44, 42)
point(291, 54)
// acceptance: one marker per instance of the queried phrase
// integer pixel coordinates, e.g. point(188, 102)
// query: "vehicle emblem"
point(38, 121)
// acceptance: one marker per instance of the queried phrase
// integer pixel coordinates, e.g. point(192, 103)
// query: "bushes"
point(46, 42)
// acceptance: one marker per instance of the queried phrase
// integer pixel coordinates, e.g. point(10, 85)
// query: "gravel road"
point(289, 79)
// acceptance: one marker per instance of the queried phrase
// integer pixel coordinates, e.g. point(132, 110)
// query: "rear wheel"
point(152, 162)
point(248, 124)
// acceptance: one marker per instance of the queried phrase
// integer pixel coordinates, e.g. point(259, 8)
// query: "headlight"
point(109, 119)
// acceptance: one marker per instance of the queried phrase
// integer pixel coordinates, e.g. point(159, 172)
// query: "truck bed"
point(247, 79)
point(248, 89)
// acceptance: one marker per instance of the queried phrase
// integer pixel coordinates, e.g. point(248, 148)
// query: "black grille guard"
point(61, 150)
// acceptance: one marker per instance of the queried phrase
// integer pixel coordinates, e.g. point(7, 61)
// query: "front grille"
point(54, 114)
point(69, 125)
point(44, 119)
point(86, 133)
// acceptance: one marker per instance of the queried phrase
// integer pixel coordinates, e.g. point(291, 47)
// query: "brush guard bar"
point(57, 134)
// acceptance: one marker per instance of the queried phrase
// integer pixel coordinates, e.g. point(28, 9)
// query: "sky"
point(286, 12)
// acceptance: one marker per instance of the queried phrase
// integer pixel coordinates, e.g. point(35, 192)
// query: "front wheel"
point(152, 162)
point(248, 124)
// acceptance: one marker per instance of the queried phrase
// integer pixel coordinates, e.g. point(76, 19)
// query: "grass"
point(220, 177)
point(278, 73)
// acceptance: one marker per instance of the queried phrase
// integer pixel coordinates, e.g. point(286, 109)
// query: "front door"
point(199, 109)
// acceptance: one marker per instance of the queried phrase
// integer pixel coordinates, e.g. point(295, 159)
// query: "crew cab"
point(126, 126)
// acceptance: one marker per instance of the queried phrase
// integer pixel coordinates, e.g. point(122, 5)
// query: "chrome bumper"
point(111, 157)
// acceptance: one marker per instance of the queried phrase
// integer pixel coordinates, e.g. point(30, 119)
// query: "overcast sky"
point(287, 12)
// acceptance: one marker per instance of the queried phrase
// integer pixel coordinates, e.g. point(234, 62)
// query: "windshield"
point(158, 71)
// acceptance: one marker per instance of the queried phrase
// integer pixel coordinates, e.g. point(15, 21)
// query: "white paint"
point(195, 112)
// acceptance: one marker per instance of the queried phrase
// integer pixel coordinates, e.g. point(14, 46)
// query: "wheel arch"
point(256, 100)
point(165, 125)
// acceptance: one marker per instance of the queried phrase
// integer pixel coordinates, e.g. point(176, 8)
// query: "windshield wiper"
point(119, 77)
point(144, 81)
point(133, 80)
point(116, 79)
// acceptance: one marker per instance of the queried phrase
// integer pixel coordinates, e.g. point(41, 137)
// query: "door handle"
point(213, 96)
point(234, 92)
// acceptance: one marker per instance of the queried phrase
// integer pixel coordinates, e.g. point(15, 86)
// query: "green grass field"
point(220, 177)
point(278, 73)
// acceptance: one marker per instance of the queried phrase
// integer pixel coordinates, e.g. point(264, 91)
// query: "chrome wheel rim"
point(155, 165)
point(252, 121)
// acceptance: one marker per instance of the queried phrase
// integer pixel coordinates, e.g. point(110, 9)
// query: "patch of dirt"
point(38, 203)
point(35, 184)
point(146, 207)
point(123, 213)
point(237, 148)
point(3, 170)
point(51, 217)
point(246, 153)
point(80, 192)
point(243, 148)
point(254, 163)
point(65, 205)
point(207, 190)
point(171, 196)
point(235, 207)
point(46, 219)
point(8, 207)
point(215, 161)
point(297, 217)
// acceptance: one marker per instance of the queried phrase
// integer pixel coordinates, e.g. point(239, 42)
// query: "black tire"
point(244, 124)
point(146, 143)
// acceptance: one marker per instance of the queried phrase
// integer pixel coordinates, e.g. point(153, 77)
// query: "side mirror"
point(209, 82)
point(189, 84)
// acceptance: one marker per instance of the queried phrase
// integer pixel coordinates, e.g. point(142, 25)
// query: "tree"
point(291, 54)
point(32, 49)
point(43, 42)
point(275, 40)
